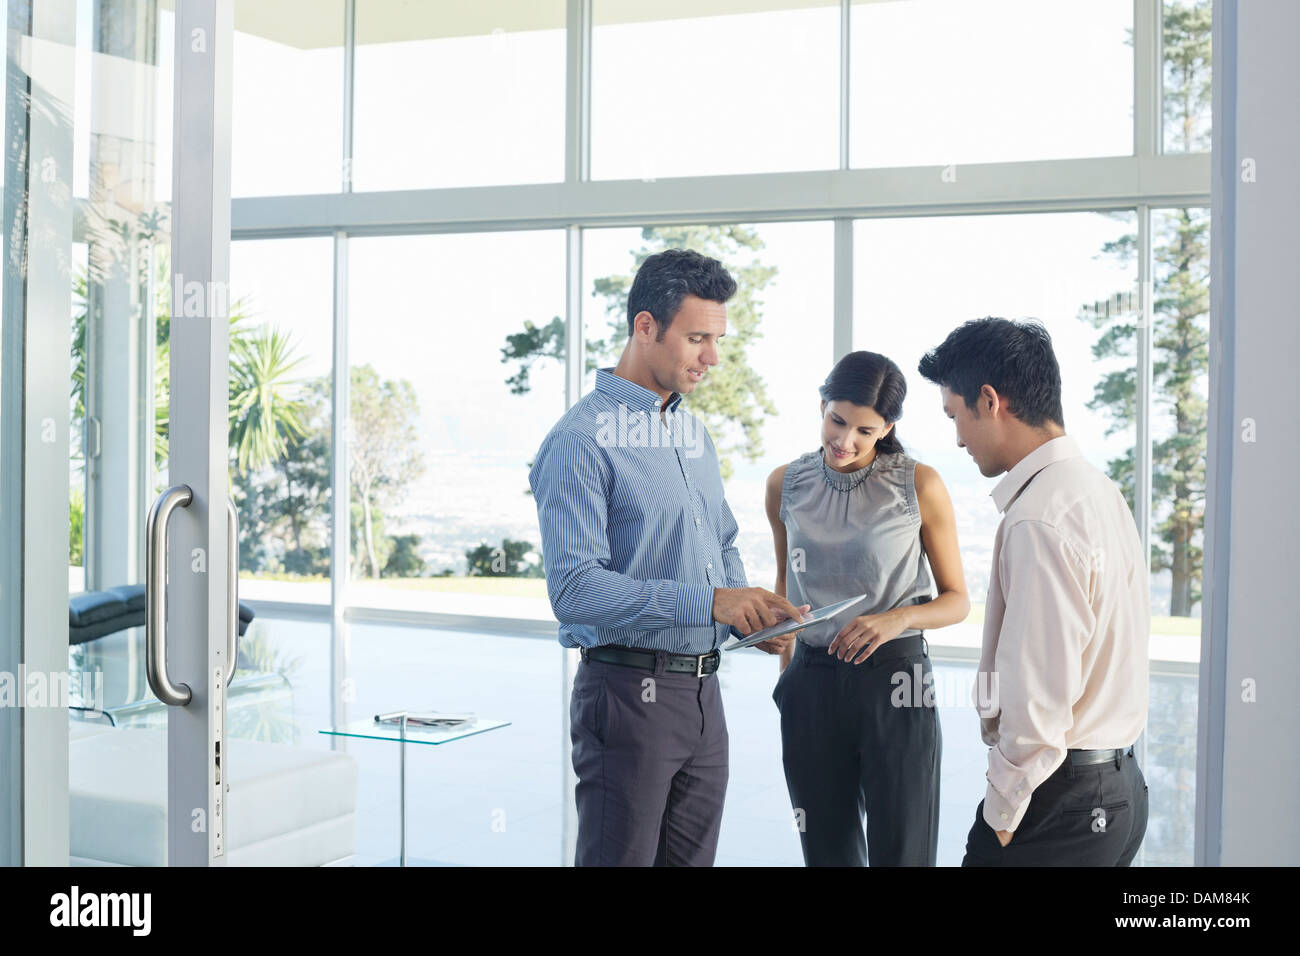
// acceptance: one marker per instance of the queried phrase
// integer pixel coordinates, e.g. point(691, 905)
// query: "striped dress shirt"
point(636, 532)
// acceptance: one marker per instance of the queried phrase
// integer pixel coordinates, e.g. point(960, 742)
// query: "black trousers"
point(1092, 815)
point(862, 739)
point(650, 752)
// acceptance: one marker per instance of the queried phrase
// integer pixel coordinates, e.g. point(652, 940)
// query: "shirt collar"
point(632, 394)
point(1049, 452)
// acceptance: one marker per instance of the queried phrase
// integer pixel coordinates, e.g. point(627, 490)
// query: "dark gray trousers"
point(650, 752)
point(861, 739)
point(1094, 815)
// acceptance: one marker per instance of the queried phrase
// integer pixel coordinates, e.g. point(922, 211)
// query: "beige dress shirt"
point(1066, 626)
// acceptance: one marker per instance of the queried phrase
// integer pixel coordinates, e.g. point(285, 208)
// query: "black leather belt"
point(700, 665)
point(1083, 758)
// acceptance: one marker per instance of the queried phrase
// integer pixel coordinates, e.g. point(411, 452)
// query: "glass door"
point(113, 366)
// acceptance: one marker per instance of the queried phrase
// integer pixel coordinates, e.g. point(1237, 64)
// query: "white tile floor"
point(495, 799)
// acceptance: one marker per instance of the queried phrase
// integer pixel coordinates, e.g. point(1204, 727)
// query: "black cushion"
point(97, 614)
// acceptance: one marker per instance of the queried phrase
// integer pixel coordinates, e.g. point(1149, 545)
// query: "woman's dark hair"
point(667, 277)
point(1016, 358)
point(872, 380)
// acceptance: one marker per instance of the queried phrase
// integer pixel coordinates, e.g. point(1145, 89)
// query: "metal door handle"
point(175, 695)
point(232, 588)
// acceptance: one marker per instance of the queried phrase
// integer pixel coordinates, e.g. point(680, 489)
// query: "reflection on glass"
point(444, 424)
point(708, 88)
point(1186, 51)
point(937, 82)
point(117, 285)
point(287, 107)
point(120, 307)
point(458, 94)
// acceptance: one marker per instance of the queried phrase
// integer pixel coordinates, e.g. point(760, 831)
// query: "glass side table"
point(403, 734)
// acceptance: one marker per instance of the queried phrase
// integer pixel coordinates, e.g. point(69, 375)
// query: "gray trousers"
point(650, 752)
point(862, 739)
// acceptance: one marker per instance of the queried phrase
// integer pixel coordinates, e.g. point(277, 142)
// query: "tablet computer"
point(790, 624)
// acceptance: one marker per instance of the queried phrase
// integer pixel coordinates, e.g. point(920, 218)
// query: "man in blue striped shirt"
point(644, 576)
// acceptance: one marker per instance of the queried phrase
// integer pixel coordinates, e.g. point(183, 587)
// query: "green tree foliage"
point(284, 506)
point(305, 469)
point(385, 454)
point(510, 560)
point(732, 400)
point(264, 415)
point(76, 526)
point(404, 560)
point(1187, 75)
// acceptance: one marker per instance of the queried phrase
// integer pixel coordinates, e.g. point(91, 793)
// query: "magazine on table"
point(426, 719)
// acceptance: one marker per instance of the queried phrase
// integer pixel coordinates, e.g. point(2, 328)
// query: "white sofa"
point(288, 806)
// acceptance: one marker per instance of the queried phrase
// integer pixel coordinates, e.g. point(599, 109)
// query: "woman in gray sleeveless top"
point(859, 730)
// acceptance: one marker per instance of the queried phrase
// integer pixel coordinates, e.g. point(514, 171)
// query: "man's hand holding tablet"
point(752, 609)
point(781, 631)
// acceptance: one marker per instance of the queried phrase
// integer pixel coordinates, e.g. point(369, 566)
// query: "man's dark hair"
point(1016, 358)
point(667, 277)
point(873, 381)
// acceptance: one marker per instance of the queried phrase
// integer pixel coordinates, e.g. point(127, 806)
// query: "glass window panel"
point(1076, 273)
point(458, 93)
point(1180, 356)
point(918, 279)
point(441, 443)
point(935, 82)
point(785, 306)
point(280, 359)
point(698, 89)
point(1185, 49)
point(1180, 341)
point(287, 108)
point(119, 291)
point(122, 110)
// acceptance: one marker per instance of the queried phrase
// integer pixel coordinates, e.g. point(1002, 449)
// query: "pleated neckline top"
point(851, 534)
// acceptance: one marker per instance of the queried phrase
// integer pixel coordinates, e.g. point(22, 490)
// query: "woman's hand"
point(776, 645)
point(862, 635)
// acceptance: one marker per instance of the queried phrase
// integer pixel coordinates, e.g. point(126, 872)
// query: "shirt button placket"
point(700, 550)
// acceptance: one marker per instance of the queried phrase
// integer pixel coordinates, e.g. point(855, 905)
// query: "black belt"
point(1083, 758)
point(700, 665)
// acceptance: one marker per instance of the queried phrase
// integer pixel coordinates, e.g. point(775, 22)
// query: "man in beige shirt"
point(1062, 682)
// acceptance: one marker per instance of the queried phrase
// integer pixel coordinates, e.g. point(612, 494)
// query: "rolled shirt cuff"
point(1000, 813)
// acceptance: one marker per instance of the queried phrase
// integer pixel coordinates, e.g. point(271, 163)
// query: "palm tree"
point(263, 416)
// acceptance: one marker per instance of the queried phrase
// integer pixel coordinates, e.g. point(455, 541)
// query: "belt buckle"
point(699, 665)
